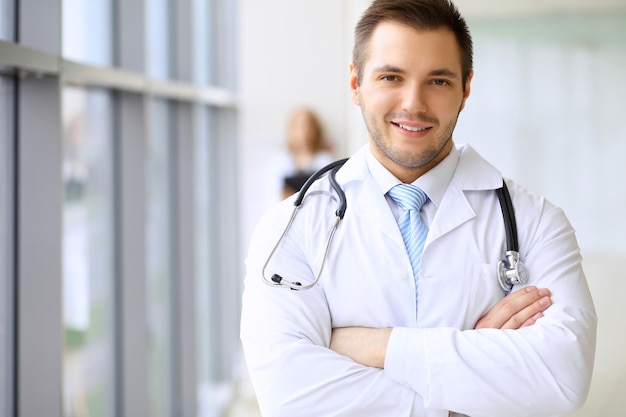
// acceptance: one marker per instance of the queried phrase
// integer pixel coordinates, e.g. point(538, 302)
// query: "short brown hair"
point(418, 14)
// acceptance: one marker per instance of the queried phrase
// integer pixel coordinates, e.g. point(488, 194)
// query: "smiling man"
point(409, 317)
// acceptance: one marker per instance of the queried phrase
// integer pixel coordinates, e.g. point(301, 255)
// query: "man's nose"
point(414, 100)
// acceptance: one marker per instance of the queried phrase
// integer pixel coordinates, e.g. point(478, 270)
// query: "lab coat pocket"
point(486, 291)
point(457, 298)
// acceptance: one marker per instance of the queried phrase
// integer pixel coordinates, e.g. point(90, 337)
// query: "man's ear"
point(467, 90)
point(354, 84)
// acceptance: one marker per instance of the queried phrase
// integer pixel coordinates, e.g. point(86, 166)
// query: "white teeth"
point(411, 128)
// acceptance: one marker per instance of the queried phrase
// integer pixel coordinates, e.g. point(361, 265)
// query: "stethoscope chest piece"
point(511, 271)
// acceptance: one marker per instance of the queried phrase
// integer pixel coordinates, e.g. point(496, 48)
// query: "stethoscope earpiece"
point(279, 281)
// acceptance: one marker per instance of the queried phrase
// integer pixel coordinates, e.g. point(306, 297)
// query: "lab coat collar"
point(472, 173)
point(434, 182)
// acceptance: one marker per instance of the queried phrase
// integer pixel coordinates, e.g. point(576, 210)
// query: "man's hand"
point(519, 309)
point(361, 344)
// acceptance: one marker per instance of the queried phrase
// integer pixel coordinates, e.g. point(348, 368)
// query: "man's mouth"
point(411, 128)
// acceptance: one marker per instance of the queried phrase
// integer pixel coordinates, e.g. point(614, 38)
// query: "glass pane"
point(88, 256)
point(159, 42)
point(6, 244)
point(88, 31)
point(209, 401)
point(203, 41)
point(7, 19)
point(160, 259)
point(223, 60)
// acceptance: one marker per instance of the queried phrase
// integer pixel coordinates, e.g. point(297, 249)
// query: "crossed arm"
point(368, 346)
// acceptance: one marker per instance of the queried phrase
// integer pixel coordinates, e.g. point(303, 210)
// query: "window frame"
point(7, 226)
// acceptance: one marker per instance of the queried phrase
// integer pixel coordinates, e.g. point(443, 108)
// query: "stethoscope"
point(510, 271)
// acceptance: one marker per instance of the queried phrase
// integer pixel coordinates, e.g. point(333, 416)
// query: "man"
point(386, 332)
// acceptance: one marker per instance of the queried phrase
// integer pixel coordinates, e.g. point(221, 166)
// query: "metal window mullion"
point(87, 75)
point(40, 208)
point(26, 59)
point(83, 74)
point(9, 280)
point(129, 58)
point(130, 42)
point(39, 25)
point(183, 41)
point(185, 315)
point(29, 61)
point(39, 258)
point(226, 168)
point(132, 190)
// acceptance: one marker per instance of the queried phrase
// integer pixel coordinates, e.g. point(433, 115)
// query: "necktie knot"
point(408, 196)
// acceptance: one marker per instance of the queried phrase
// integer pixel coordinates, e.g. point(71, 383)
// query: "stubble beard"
point(409, 160)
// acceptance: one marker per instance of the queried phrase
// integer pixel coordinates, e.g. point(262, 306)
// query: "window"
point(6, 244)
point(98, 239)
point(203, 47)
point(159, 40)
point(209, 401)
point(7, 20)
point(214, 152)
point(88, 256)
point(160, 249)
point(87, 31)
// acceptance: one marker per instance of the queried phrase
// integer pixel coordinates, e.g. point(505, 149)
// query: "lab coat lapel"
point(368, 203)
point(453, 211)
point(472, 173)
point(372, 208)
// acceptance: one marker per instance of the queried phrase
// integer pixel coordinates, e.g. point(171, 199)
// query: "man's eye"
point(440, 82)
point(389, 78)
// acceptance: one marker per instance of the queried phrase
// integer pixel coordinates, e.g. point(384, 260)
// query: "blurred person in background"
point(307, 151)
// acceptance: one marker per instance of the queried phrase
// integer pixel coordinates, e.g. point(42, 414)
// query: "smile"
point(411, 128)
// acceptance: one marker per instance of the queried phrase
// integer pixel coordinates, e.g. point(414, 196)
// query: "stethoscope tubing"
point(509, 217)
point(278, 281)
point(510, 270)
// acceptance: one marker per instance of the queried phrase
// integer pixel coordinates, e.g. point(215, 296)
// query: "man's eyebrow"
point(444, 72)
point(440, 72)
point(389, 68)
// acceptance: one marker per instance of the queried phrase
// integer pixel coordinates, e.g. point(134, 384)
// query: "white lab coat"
point(435, 362)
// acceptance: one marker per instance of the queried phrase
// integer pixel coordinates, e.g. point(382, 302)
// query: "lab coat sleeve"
point(541, 370)
point(285, 336)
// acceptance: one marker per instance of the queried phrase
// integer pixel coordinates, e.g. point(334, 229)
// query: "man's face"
point(410, 94)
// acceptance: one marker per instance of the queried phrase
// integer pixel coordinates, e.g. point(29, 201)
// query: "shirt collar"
point(434, 183)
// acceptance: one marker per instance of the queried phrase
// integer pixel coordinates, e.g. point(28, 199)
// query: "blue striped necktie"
point(413, 229)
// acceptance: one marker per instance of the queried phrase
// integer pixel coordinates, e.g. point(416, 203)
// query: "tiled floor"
point(607, 398)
